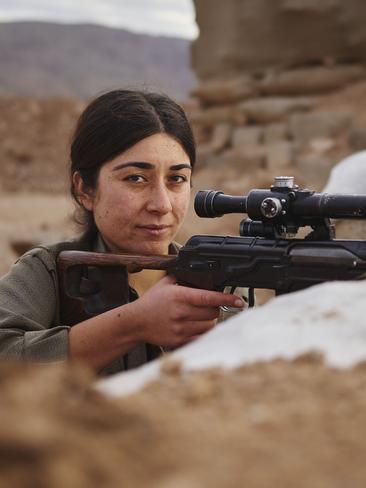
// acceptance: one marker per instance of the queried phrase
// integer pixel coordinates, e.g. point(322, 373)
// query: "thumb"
point(169, 279)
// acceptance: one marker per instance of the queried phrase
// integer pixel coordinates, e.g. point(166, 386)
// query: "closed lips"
point(154, 227)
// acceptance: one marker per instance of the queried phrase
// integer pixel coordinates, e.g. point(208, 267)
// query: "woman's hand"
point(167, 315)
point(171, 315)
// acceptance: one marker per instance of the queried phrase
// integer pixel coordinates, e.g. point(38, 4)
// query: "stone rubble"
point(261, 85)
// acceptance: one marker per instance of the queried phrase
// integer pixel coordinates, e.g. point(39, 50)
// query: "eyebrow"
point(143, 165)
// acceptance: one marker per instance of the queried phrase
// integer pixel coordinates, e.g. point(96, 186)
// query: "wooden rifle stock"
point(131, 262)
point(91, 283)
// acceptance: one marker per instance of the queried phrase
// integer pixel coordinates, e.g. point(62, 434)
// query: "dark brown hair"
point(114, 122)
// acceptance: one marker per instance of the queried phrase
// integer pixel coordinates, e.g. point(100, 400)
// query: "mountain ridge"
point(44, 59)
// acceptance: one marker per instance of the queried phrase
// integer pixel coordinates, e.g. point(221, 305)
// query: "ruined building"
point(281, 84)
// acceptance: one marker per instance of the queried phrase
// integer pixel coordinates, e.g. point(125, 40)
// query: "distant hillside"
point(45, 59)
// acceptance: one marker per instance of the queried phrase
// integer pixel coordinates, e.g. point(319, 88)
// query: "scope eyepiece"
point(204, 203)
point(211, 203)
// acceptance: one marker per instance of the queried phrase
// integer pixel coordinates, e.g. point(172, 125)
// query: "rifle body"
point(95, 282)
point(283, 265)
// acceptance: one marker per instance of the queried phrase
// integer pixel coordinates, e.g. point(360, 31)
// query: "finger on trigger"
point(218, 299)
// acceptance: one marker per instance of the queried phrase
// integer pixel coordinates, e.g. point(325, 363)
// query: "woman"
point(132, 156)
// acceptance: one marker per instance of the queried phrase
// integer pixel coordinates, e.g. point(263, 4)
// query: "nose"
point(159, 200)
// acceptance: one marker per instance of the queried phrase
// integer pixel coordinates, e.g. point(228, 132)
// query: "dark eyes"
point(136, 178)
point(178, 178)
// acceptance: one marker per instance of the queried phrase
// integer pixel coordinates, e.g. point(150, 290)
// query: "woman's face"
point(142, 196)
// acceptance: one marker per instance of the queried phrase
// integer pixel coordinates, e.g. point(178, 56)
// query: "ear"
point(84, 194)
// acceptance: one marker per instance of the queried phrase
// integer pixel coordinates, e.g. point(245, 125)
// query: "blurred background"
point(270, 88)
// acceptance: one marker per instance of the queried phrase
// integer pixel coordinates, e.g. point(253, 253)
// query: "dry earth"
point(276, 424)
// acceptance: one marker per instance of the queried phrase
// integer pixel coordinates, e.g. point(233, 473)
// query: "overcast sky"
point(166, 17)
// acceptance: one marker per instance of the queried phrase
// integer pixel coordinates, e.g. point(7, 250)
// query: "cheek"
point(114, 211)
point(181, 205)
point(111, 201)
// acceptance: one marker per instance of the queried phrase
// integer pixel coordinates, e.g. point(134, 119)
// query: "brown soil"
point(276, 424)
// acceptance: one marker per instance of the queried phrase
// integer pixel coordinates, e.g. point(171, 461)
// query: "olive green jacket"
point(30, 324)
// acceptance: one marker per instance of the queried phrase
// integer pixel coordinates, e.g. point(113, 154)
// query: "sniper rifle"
point(267, 254)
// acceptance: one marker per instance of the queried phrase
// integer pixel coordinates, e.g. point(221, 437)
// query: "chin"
point(149, 248)
point(156, 249)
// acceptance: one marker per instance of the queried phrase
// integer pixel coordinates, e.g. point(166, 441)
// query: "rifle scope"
point(281, 202)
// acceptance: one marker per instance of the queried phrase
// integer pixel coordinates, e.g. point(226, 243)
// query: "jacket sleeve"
point(29, 311)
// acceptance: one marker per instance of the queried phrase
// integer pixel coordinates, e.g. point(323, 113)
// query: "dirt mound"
point(284, 424)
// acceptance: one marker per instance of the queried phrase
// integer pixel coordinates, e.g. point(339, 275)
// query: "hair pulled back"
point(114, 122)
